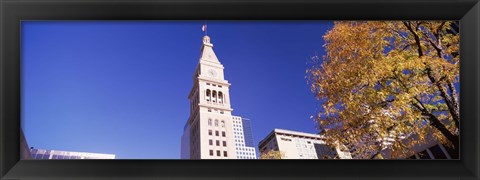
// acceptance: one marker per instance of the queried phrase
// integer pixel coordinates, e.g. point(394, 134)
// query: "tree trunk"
point(454, 139)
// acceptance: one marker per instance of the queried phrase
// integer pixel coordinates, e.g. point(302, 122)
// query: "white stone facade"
point(209, 132)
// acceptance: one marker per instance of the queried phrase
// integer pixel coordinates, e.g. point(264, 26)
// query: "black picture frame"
point(13, 11)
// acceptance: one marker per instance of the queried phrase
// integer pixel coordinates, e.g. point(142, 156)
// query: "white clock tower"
point(208, 133)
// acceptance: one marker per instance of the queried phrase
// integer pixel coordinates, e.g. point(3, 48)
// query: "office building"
point(431, 148)
point(436, 151)
point(300, 145)
point(242, 134)
point(55, 154)
point(210, 131)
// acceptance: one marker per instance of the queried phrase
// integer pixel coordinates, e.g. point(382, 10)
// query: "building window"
point(451, 151)
point(210, 142)
point(218, 152)
point(210, 132)
point(424, 155)
point(211, 152)
point(216, 133)
point(209, 110)
point(216, 122)
point(210, 122)
point(224, 143)
point(437, 152)
point(223, 123)
point(224, 153)
point(220, 97)
point(208, 95)
point(214, 96)
point(223, 134)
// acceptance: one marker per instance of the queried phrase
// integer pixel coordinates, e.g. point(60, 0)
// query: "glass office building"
point(247, 132)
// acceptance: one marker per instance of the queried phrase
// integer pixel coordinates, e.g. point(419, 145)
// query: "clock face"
point(212, 73)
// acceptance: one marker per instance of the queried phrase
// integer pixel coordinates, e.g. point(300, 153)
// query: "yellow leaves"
point(330, 104)
point(272, 155)
point(372, 75)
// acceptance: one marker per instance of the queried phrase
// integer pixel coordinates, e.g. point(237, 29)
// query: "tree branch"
point(435, 122)
point(417, 38)
point(451, 103)
point(439, 50)
point(455, 106)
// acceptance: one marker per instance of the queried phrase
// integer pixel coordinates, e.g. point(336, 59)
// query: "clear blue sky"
point(121, 87)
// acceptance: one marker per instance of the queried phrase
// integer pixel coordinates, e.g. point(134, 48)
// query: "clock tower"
point(208, 133)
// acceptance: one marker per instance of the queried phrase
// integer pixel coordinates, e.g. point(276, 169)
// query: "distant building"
point(211, 131)
point(300, 145)
point(430, 149)
point(437, 151)
point(55, 154)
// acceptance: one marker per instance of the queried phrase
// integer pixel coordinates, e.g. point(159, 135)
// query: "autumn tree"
point(383, 82)
point(272, 155)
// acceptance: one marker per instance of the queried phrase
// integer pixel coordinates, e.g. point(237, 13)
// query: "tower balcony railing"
point(216, 103)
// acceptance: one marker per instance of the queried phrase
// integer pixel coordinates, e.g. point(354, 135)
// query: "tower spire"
point(207, 53)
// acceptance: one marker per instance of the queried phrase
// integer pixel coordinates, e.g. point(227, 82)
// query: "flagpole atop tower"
point(204, 28)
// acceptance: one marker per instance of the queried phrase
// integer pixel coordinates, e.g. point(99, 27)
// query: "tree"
point(272, 155)
point(385, 81)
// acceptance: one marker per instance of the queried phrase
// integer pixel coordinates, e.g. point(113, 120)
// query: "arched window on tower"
point(216, 122)
point(208, 95)
point(223, 123)
point(220, 97)
point(210, 122)
point(214, 96)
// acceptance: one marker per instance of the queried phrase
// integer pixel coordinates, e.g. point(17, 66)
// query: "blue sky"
point(121, 87)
